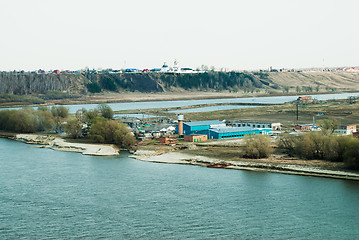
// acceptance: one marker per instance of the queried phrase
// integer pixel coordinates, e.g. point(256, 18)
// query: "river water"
point(212, 108)
point(185, 103)
point(48, 194)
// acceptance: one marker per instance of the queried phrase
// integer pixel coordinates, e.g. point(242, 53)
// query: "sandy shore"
point(184, 158)
point(61, 145)
point(175, 157)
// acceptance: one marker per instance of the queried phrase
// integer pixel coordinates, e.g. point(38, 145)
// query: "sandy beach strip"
point(60, 144)
point(172, 157)
point(184, 158)
point(175, 157)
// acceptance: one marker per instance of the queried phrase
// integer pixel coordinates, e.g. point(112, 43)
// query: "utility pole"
point(297, 112)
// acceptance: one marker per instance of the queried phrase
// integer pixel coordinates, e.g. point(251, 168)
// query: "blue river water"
point(212, 108)
point(185, 103)
point(137, 115)
point(48, 194)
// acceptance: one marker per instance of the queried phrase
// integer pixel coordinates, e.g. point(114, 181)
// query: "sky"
point(234, 34)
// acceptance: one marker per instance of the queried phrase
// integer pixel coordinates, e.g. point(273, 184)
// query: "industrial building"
point(179, 129)
point(195, 138)
point(346, 129)
point(235, 132)
point(273, 126)
point(215, 129)
point(232, 132)
point(306, 127)
point(197, 127)
point(167, 140)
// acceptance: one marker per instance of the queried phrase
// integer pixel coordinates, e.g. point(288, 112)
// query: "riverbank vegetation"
point(257, 147)
point(8, 99)
point(29, 120)
point(323, 146)
point(55, 95)
point(109, 131)
point(11, 99)
point(344, 155)
point(94, 124)
point(97, 124)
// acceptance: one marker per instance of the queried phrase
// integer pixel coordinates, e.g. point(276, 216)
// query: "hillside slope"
point(339, 80)
point(23, 84)
point(31, 83)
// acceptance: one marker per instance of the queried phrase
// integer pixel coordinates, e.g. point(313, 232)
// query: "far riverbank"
point(128, 97)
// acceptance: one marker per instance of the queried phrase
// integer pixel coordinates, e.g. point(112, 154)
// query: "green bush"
point(49, 95)
point(93, 88)
point(26, 120)
point(59, 111)
point(110, 131)
point(287, 143)
point(329, 125)
point(323, 146)
point(108, 83)
point(90, 114)
point(106, 111)
point(5, 98)
point(73, 128)
point(257, 147)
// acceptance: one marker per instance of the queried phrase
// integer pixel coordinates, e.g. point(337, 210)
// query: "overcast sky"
point(236, 34)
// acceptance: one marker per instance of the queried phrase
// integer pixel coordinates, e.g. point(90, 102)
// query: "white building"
point(346, 129)
point(273, 126)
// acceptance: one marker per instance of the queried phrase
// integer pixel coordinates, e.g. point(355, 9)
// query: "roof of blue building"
point(200, 123)
point(233, 129)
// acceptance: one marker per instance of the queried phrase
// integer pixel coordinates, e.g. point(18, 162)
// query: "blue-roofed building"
point(199, 126)
point(127, 70)
point(215, 129)
point(265, 131)
point(232, 132)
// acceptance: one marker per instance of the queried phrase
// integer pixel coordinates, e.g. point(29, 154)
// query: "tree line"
point(100, 127)
point(29, 120)
point(323, 146)
point(96, 124)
